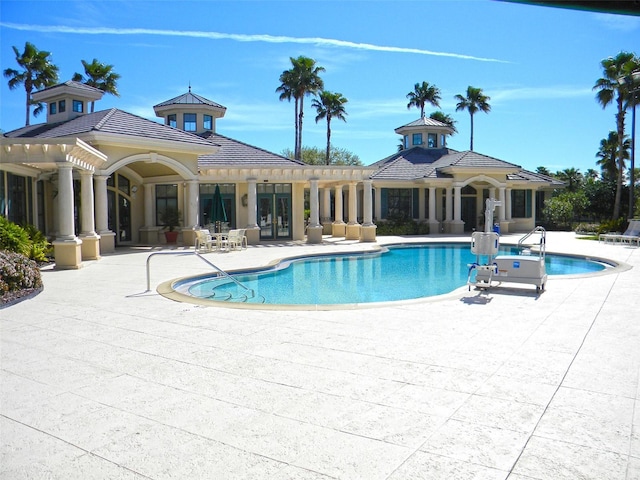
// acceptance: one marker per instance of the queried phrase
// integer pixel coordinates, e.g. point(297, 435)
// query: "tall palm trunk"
point(28, 86)
point(295, 120)
point(326, 157)
point(620, 124)
point(471, 145)
point(300, 115)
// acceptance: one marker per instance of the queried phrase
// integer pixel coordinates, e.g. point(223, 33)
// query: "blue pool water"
point(401, 273)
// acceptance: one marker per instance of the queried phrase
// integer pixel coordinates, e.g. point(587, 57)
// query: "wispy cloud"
point(319, 41)
point(621, 23)
point(538, 93)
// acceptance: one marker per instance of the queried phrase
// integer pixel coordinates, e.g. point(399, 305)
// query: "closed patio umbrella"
point(218, 213)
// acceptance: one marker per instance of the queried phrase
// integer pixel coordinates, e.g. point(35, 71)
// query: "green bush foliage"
point(611, 226)
point(13, 237)
point(28, 240)
point(17, 272)
point(401, 226)
point(587, 228)
point(565, 207)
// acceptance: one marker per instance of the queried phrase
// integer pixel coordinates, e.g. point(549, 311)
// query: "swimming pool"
point(401, 272)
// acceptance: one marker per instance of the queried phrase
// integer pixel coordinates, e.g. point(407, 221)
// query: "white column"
point(325, 214)
point(252, 203)
point(378, 207)
point(534, 212)
point(338, 206)
point(501, 210)
point(149, 219)
point(367, 203)
point(65, 202)
point(314, 217)
point(193, 211)
point(432, 204)
point(508, 204)
point(353, 204)
point(102, 205)
point(449, 204)
point(88, 209)
point(457, 204)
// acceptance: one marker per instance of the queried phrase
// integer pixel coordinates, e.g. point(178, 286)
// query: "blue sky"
point(538, 65)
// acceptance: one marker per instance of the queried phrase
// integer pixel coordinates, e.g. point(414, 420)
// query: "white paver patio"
point(101, 379)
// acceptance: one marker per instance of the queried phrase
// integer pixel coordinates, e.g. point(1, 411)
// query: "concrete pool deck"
point(101, 379)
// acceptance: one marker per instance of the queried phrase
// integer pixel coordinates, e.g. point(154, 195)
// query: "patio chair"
point(631, 234)
point(204, 241)
point(235, 239)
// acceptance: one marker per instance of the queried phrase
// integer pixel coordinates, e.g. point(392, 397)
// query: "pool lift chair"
point(526, 266)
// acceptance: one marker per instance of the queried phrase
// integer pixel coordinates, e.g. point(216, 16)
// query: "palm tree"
point(301, 80)
point(286, 89)
point(572, 177)
point(37, 72)
point(608, 154)
point(444, 118)
point(475, 101)
point(98, 75)
point(329, 105)
point(543, 171)
point(591, 174)
point(423, 94)
point(610, 89)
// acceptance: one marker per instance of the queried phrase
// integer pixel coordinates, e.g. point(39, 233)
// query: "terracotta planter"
point(171, 237)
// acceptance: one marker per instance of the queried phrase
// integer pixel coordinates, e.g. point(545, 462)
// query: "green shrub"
point(587, 228)
point(612, 226)
point(13, 237)
point(28, 241)
point(40, 248)
point(17, 272)
point(401, 226)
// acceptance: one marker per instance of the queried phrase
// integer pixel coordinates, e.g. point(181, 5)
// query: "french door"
point(274, 211)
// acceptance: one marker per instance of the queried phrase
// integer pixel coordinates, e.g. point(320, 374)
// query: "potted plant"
point(170, 219)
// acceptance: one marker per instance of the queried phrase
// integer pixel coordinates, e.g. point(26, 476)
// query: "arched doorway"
point(119, 208)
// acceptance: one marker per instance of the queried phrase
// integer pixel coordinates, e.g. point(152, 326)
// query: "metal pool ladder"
point(250, 292)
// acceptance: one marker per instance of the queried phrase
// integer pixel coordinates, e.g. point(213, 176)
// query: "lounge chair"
point(631, 234)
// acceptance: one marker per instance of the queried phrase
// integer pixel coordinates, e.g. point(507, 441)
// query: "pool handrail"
point(543, 241)
point(197, 254)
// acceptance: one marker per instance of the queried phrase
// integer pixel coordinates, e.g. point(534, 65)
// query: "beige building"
point(96, 181)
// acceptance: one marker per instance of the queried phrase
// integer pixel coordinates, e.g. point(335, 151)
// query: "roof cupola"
point(67, 100)
point(424, 133)
point(190, 112)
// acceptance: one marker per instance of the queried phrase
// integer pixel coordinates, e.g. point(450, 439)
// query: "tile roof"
point(410, 164)
point(418, 162)
point(112, 121)
point(71, 83)
point(425, 121)
point(237, 154)
point(189, 99)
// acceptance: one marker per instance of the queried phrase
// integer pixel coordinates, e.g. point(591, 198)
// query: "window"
point(399, 202)
point(521, 204)
point(417, 139)
point(190, 122)
point(166, 197)
point(18, 198)
point(443, 140)
point(432, 140)
point(406, 141)
point(208, 122)
point(53, 108)
point(78, 106)
point(171, 121)
point(62, 106)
